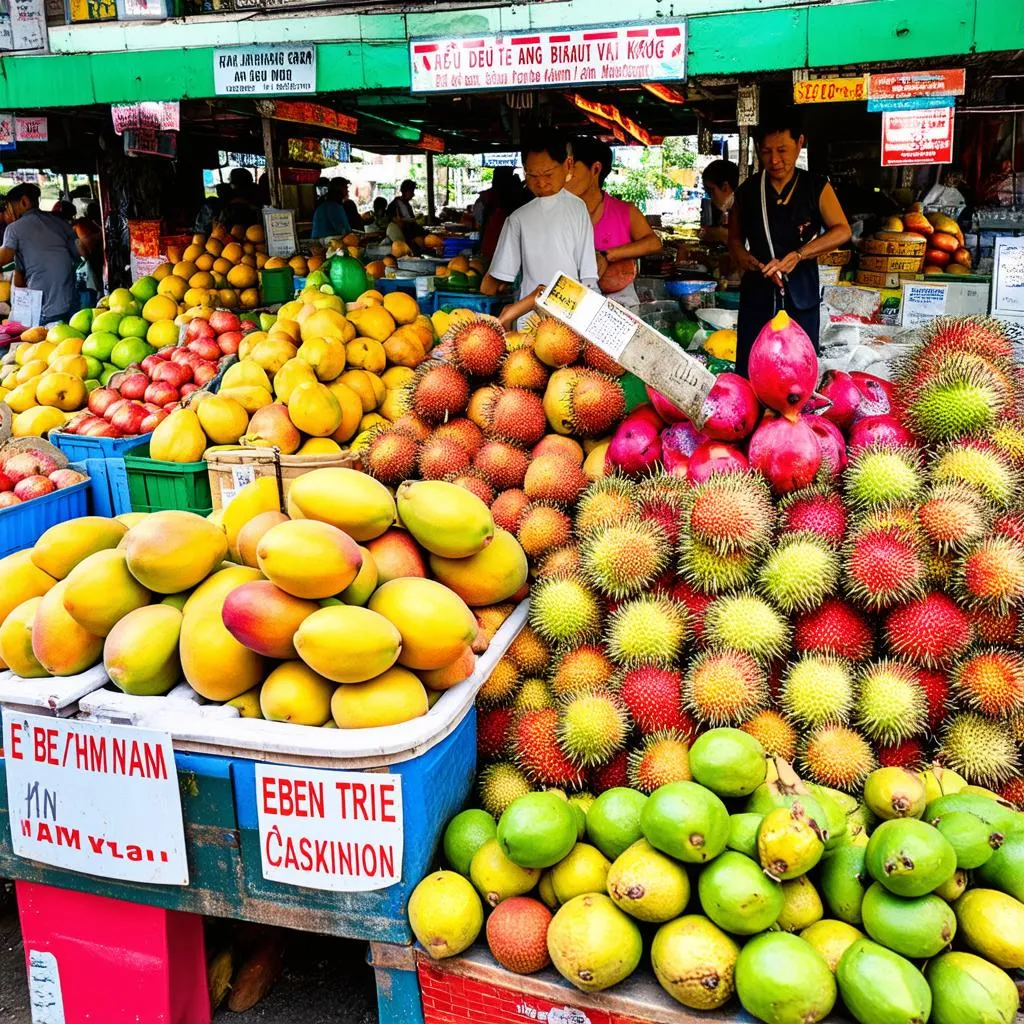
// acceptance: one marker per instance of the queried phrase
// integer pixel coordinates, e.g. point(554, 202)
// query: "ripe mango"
point(253, 499)
point(251, 397)
point(265, 618)
point(393, 697)
point(171, 551)
point(22, 579)
point(325, 355)
point(362, 587)
point(314, 409)
point(16, 640)
point(295, 372)
point(450, 675)
point(100, 590)
point(396, 554)
point(489, 576)
point(348, 644)
point(309, 559)
point(60, 644)
point(248, 703)
point(434, 622)
point(245, 373)
point(223, 419)
point(178, 438)
point(63, 546)
point(249, 536)
point(294, 693)
point(352, 501)
point(141, 651)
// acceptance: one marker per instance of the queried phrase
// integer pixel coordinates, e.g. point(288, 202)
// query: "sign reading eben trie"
point(264, 70)
point(623, 53)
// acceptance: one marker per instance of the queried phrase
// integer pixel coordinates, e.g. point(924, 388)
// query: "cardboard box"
point(894, 247)
point(630, 342)
point(891, 264)
point(875, 279)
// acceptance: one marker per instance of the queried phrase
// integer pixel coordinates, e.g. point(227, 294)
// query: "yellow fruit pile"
point(327, 616)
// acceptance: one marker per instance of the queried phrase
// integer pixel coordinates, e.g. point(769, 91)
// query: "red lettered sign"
point(917, 137)
point(898, 85)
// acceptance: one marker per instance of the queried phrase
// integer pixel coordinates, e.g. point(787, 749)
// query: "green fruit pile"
point(904, 901)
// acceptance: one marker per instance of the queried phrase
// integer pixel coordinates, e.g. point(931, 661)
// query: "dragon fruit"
point(783, 366)
point(731, 409)
point(786, 452)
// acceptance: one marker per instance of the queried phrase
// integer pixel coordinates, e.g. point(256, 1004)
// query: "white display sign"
point(99, 799)
point(265, 70)
point(623, 53)
point(27, 306)
point(280, 233)
point(922, 303)
point(322, 829)
point(1008, 278)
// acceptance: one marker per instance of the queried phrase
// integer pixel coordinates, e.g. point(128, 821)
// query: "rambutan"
point(391, 457)
point(534, 741)
point(981, 335)
point(774, 733)
point(747, 623)
point(611, 499)
point(557, 444)
point(990, 574)
point(501, 784)
point(502, 464)
point(533, 695)
point(732, 512)
point(883, 567)
point(980, 749)
point(411, 425)
point(1012, 791)
point(522, 369)
point(500, 685)
point(597, 404)
point(542, 528)
point(492, 729)
point(960, 395)
point(983, 469)
point(931, 630)
point(817, 689)
point(661, 758)
point(991, 681)
point(563, 561)
point(879, 475)
point(474, 483)
point(592, 726)
point(490, 618)
point(439, 392)
point(891, 706)
point(555, 343)
point(517, 416)
point(478, 345)
point(586, 667)
point(953, 516)
point(661, 501)
point(1007, 436)
point(598, 360)
point(611, 774)
point(724, 687)
point(554, 478)
point(696, 604)
point(622, 560)
point(834, 628)
point(565, 611)
point(653, 696)
point(1010, 524)
point(646, 630)
point(507, 509)
point(481, 402)
point(837, 757)
point(714, 572)
point(814, 510)
point(440, 458)
point(463, 431)
point(993, 628)
point(935, 687)
point(799, 572)
point(529, 653)
point(908, 754)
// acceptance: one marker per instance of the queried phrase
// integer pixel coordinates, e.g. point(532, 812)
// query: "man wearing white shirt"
point(551, 234)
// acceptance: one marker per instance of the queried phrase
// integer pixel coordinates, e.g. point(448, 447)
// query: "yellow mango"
point(352, 501)
point(100, 590)
point(140, 653)
point(16, 640)
point(490, 576)
point(251, 397)
point(325, 355)
point(308, 559)
point(254, 498)
point(314, 409)
point(62, 646)
point(391, 698)
point(173, 550)
point(222, 419)
point(294, 693)
point(366, 354)
point(178, 438)
point(348, 644)
point(64, 545)
point(295, 372)
point(351, 411)
point(245, 373)
point(444, 518)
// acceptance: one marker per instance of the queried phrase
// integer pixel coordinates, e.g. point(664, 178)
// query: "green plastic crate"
point(155, 486)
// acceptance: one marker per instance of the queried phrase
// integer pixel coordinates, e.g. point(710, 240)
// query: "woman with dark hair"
point(721, 178)
point(621, 232)
point(782, 220)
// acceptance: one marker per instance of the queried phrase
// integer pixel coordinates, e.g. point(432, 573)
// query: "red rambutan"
point(517, 416)
point(478, 345)
point(439, 392)
point(492, 729)
point(883, 567)
point(464, 431)
point(908, 754)
point(534, 741)
point(991, 681)
point(654, 698)
point(440, 457)
point(834, 627)
point(502, 464)
point(931, 630)
point(815, 511)
point(935, 686)
point(507, 509)
point(611, 774)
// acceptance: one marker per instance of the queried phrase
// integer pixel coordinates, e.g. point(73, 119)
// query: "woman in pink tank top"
point(621, 232)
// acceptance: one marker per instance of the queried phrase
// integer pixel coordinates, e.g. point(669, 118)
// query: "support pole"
point(430, 188)
point(271, 168)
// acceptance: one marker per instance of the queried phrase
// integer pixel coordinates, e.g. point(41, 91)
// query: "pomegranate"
point(204, 373)
point(786, 452)
point(152, 420)
point(150, 363)
point(34, 487)
point(198, 328)
point(134, 385)
point(187, 389)
point(109, 412)
point(9, 498)
point(128, 419)
point(182, 356)
point(223, 321)
point(844, 394)
point(833, 445)
point(879, 430)
point(783, 366)
point(715, 457)
point(635, 447)
point(731, 409)
point(205, 348)
point(101, 399)
point(667, 410)
point(67, 478)
point(174, 374)
point(98, 428)
point(25, 464)
point(229, 341)
point(6, 483)
point(160, 392)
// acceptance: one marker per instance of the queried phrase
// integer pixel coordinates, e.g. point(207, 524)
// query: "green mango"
point(915, 928)
point(1004, 870)
point(1002, 817)
point(785, 980)
point(973, 840)
point(842, 878)
point(743, 829)
point(879, 987)
point(738, 896)
point(969, 990)
point(909, 857)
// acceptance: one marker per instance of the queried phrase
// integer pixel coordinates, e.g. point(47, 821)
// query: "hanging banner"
point(164, 117)
point(264, 70)
point(896, 85)
point(31, 129)
point(146, 142)
point(7, 136)
point(626, 53)
point(911, 137)
point(314, 114)
point(830, 90)
point(911, 103)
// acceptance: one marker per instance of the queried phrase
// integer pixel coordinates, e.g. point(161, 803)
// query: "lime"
point(613, 822)
point(537, 830)
point(132, 327)
point(465, 834)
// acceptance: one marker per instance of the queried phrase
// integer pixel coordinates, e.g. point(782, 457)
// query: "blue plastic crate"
point(386, 285)
point(22, 525)
point(108, 486)
point(492, 304)
point(77, 447)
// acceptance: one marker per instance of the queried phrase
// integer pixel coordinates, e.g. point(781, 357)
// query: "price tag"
point(242, 475)
point(279, 231)
point(27, 306)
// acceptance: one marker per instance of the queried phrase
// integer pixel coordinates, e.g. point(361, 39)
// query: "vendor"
point(621, 232)
point(330, 219)
point(782, 220)
point(721, 179)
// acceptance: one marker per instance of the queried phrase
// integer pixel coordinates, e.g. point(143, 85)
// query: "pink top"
point(613, 228)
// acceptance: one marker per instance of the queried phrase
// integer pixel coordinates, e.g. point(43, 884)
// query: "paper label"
point(242, 475)
point(279, 231)
point(27, 306)
point(922, 303)
point(45, 999)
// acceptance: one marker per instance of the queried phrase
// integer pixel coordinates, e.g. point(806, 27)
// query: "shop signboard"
point(23, 26)
point(830, 90)
point(897, 85)
point(313, 114)
point(912, 137)
point(550, 58)
point(320, 829)
point(1008, 280)
point(30, 129)
point(7, 136)
point(911, 103)
point(146, 142)
point(98, 799)
point(153, 116)
point(279, 231)
point(269, 69)
point(511, 159)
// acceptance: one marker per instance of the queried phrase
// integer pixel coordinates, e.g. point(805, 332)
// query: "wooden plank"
point(53, 694)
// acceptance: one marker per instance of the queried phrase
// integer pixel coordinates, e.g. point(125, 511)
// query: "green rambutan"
point(891, 706)
point(985, 470)
point(533, 740)
point(834, 627)
point(542, 529)
point(661, 758)
point(562, 562)
point(438, 392)
point(879, 476)
point(953, 516)
point(961, 395)
point(621, 560)
point(1007, 436)
point(931, 630)
point(774, 733)
point(724, 687)
point(501, 784)
point(586, 667)
point(837, 757)
point(492, 729)
point(607, 501)
point(565, 612)
point(533, 695)
point(799, 572)
point(746, 623)
point(731, 512)
point(991, 680)
point(980, 749)
point(653, 696)
point(592, 726)
point(990, 574)
point(500, 685)
point(883, 567)
point(817, 689)
point(814, 510)
point(646, 630)
point(711, 571)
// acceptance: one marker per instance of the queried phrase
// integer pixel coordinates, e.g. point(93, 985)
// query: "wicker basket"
point(230, 471)
point(835, 258)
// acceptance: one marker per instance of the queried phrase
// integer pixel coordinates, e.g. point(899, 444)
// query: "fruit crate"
point(492, 304)
point(22, 525)
point(77, 446)
point(155, 486)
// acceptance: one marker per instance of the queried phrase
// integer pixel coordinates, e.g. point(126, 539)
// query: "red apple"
point(198, 328)
point(223, 320)
point(180, 355)
point(160, 392)
point(6, 483)
point(101, 399)
point(204, 373)
point(186, 389)
point(128, 419)
point(150, 363)
point(98, 428)
point(205, 348)
point(34, 487)
point(9, 498)
point(149, 424)
point(229, 342)
point(111, 409)
point(153, 407)
point(134, 386)
point(67, 478)
point(25, 464)
point(174, 374)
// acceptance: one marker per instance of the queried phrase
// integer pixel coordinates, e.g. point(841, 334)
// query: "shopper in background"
point(401, 206)
point(330, 219)
point(492, 209)
point(782, 220)
point(90, 270)
point(621, 232)
point(211, 209)
point(380, 214)
point(242, 205)
point(45, 249)
point(721, 178)
point(355, 220)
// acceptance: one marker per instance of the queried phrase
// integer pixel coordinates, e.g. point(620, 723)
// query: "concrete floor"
point(325, 980)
